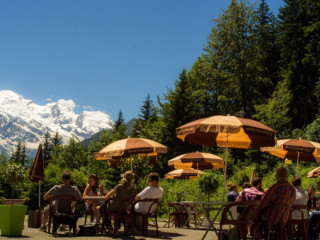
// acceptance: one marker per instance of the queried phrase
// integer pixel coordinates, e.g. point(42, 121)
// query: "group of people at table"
point(124, 190)
point(281, 193)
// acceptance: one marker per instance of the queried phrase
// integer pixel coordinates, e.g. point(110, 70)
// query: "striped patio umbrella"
point(295, 150)
point(183, 174)
point(227, 131)
point(130, 146)
point(197, 160)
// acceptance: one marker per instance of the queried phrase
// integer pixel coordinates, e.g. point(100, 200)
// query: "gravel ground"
point(164, 233)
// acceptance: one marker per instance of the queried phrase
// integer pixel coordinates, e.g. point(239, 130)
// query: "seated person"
point(153, 192)
point(247, 194)
point(125, 190)
point(281, 193)
point(313, 211)
point(253, 193)
point(93, 189)
point(233, 192)
point(64, 189)
point(301, 198)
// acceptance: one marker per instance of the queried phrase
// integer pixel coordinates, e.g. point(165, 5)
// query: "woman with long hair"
point(93, 189)
point(124, 190)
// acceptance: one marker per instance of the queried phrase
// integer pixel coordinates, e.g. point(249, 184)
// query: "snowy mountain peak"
point(23, 119)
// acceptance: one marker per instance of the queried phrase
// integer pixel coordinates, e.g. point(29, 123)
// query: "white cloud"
point(87, 107)
point(48, 99)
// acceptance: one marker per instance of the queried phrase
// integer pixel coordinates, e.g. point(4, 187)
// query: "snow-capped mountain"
point(23, 119)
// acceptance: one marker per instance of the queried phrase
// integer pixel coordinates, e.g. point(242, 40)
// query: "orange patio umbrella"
point(227, 131)
point(183, 174)
point(126, 147)
point(197, 160)
point(295, 150)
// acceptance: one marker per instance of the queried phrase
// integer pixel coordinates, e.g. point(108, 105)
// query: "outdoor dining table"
point(208, 207)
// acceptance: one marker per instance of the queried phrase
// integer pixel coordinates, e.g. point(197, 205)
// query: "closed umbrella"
point(36, 173)
point(295, 150)
point(227, 131)
point(130, 146)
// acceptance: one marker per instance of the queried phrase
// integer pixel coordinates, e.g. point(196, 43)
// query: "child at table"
point(93, 189)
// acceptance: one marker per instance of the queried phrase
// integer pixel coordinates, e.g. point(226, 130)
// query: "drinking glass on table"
point(98, 191)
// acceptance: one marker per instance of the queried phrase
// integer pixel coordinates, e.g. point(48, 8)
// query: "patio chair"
point(119, 216)
point(187, 211)
point(228, 218)
point(151, 214)
point(68, 216)
point(174, 216)
point(90, 213)
point(300, 226)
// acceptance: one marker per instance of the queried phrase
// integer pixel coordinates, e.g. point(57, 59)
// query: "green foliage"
point(209, 183)
point(141, 168)
point(15, 175)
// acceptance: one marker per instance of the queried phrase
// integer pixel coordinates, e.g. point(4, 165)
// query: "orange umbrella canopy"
point(314, 173)
point(290, 148)
point(183, 174)
point(126, 147)
point(213, 131)
point(196, 160)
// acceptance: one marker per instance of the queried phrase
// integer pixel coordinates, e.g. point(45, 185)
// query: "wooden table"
point(208, 207)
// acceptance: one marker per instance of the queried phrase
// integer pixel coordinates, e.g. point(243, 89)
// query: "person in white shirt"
point(153, 192)
point(301, 198)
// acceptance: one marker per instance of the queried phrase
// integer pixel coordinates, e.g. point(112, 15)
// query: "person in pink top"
point(253, 193)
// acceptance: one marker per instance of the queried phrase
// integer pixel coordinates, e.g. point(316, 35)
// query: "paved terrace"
point(164, 233)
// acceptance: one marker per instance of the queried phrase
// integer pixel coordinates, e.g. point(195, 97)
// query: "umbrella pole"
point(39, 194)
point(131, 164)
point(297, 170)
point(198, 183)
point(225, 170)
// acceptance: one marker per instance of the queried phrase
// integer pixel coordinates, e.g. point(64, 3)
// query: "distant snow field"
point(23, 119)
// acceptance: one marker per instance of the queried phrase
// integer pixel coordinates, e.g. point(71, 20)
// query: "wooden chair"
point(280, 228)
point(301, 222)
point(186, 210)
point(228, 218)
point(174, 215)
point(65, 216)
point(90, 213)
point(152, 214)
point(118, 215)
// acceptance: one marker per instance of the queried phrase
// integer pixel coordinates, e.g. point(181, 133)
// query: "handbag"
point(88, 229)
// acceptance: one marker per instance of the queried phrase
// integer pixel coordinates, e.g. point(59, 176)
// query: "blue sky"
point(106, 54)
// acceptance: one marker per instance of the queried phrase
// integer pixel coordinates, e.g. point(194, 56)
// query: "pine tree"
point(119, 129)
point(47, 148)
point(19, 154)
point(232, 49)
point(147, 116)
point(268, 53)
point(301, 75)
point(56, 144)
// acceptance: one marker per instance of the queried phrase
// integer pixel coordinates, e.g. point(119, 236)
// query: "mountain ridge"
point(23, 119)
